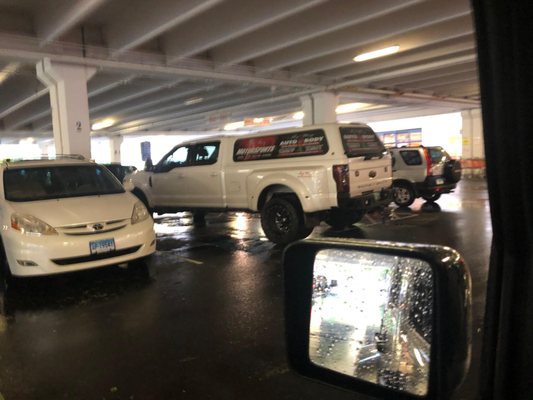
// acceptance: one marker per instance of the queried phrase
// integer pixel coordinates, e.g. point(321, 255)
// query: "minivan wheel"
point(282, 221)
point(403, 194)
point(431, 197)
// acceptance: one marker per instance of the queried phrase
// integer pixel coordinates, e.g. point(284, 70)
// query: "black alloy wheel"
point(282, 221)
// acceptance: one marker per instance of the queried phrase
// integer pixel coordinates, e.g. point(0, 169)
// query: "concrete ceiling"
point(195, 65)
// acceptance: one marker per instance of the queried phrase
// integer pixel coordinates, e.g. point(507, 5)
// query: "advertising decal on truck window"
point(299, 144)
point(361, 142)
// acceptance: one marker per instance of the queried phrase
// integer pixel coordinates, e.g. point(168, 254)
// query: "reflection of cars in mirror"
point(426, 172)
point(386, 325)
point(66, 215)
point(295, 178)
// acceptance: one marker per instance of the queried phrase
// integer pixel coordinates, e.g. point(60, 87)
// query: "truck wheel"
point(403, 194)
point(282, 221)
point(431, 197)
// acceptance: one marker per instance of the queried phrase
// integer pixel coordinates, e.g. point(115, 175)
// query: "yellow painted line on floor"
point(189, 260)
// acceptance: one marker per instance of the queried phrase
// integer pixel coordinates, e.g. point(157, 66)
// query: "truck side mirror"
point(385, 319)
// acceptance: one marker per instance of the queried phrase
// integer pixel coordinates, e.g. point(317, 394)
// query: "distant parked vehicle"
point(426, 172)
point(120, 171)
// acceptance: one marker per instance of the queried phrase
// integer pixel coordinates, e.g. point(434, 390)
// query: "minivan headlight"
point(30, 225)
point(140, 213)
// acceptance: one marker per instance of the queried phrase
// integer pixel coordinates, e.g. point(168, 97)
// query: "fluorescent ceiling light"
point(105, 123)
point(193, 100)
point(8, 70)
point(351, 107)
point(234, 125)
point(298, 115)
point(377, 53)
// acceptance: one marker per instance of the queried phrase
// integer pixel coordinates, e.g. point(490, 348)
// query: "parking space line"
point(191, 260)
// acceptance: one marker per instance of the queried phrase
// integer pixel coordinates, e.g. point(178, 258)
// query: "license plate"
point(440, 181)
point(102, 246)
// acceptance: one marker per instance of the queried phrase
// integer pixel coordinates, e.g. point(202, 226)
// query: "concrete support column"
point(319, 108)
point(114, 147)
point(473, 145)
point(70, 108)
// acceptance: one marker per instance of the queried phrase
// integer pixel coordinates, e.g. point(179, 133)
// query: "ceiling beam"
point(27, 49)
point(227, 21)
point(459, 30)
point(303, 26)
point(406, 70)
point(440, 72)
point(442, 80)
point(207, 113)
point(413, 57)
point(404, 20)
point(179, 92)
point(53, 20)
point(143, 20)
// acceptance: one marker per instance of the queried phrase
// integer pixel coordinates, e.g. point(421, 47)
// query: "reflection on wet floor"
point(212, 296)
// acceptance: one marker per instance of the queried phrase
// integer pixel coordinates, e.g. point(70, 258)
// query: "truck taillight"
point(342, 179)
point(429, 165)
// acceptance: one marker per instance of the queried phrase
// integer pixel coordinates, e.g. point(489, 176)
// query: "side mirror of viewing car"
point(385, 319)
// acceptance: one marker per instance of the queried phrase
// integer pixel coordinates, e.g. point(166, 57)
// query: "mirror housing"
point(451, 315)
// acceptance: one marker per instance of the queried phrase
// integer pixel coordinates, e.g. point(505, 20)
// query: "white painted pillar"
point(114, 147)
point(70, 107)
point(473, 145)
point(319, 108)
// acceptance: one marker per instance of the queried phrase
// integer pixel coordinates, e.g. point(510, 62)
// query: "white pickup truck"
point(295, 178)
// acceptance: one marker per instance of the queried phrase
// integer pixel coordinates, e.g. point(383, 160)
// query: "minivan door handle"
point(213, 174)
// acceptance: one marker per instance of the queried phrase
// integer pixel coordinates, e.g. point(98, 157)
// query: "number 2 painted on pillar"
point(78, 125)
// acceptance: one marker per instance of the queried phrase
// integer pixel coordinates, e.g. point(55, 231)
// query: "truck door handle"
point(213, 174)
point(180, 176)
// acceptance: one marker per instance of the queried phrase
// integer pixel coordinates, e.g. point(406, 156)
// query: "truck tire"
point(282, 221)
point(403, 194)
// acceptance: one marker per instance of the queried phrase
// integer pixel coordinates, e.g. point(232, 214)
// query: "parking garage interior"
point(205, 318)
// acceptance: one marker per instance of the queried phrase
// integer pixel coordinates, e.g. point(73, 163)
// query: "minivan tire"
point(282, 221)
point(403, 194)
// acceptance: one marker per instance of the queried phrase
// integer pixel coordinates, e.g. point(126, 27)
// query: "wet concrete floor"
point(205, 320)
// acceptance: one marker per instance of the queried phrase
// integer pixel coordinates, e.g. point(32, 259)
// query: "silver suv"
point(425, 172)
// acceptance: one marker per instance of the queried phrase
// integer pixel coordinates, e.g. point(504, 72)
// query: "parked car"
point(295, 177)
point(66, 215)
point(119, 170)
point(426, 172)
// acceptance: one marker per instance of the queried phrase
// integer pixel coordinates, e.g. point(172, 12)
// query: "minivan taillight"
point(429, 165)
point(342, 179)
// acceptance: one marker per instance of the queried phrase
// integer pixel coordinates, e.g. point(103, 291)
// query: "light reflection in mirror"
point(371, 318)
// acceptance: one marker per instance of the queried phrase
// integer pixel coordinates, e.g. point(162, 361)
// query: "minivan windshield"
point(361, 142)
point(55, 182)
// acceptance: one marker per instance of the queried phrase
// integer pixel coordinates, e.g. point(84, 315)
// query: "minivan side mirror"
point(385, 319)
